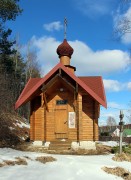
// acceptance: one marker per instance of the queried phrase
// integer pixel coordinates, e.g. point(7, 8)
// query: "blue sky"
point(90, 33)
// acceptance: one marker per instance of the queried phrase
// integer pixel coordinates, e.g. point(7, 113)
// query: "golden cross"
point(65, 27)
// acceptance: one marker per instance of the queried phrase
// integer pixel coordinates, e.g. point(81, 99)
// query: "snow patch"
point(23, 138)
point(21, 125)
point(111, 143)
point(46, 144)
point(63, 140)
point(83, 145)
point(11, 128)
point(66, 167)
point(37, 143)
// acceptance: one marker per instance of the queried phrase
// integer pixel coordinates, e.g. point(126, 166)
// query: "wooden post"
point(77, 119)
point(44, 123)
point(45, 106)
point(80, 127)
point(121, 130)
point(94, 118)
point(45, 102)
point(32, 122)
point(76, 110)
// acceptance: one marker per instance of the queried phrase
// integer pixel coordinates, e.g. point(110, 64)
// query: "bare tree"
point(123, 24)
point(32, 70)
point(32, 66)
point(111, 121)
point(129, 113)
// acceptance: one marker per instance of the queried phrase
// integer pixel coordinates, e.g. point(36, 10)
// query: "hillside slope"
point(13, 130)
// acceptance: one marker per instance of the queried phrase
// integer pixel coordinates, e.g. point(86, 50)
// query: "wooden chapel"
point(62, 105)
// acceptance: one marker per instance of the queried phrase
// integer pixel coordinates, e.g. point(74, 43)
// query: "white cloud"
point(53, 26)
point(46, 52)
point(129, 86)
point(113, 85)
point(93, 8)
point(116, 86)
point(98, 62)
point(114, 105)
point(84, 58)
point(126, 39)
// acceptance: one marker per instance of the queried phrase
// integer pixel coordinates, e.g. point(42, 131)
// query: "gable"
point(34, 85)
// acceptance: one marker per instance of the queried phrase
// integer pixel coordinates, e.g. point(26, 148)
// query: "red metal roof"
point(24, 97)
point(92, 85)
point(96, 84)
point(30, 84)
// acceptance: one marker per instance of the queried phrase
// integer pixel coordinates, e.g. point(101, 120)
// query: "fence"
point(109, 138)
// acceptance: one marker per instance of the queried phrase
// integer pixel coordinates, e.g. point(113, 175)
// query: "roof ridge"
point(73, 76)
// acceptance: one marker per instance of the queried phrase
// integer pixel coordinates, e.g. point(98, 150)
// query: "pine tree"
point(9, 10)
point(6, 51)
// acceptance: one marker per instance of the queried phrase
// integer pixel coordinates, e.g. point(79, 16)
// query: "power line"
point(119, 108)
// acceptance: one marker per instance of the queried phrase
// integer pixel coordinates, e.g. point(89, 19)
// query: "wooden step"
point(60, 145)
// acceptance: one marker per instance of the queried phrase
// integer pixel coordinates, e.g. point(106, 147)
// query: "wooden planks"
point(49, 125)
point(90, 118)
point(36, 119)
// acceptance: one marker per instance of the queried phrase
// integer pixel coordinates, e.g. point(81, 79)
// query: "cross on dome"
point(64, 49)
point(65, 27)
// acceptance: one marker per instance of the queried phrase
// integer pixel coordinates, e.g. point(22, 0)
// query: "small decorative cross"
point(65, 27)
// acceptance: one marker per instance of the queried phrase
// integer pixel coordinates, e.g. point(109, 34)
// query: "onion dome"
point(64, 49)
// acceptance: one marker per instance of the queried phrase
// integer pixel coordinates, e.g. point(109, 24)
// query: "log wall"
point(90, 115)
point(42, 122)
point(37, 119)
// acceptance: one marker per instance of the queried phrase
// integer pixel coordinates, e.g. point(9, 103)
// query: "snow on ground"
point(111, 143)
point(21, 125)
point(67, 167)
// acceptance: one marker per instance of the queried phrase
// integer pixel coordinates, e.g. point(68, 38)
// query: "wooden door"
point(61, 122)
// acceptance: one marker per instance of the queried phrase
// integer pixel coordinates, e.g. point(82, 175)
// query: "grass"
point(22, 161)
point(122, 157)
point(18, 161)
point(2, 164)
point(125, 149)
point(45, 159)
point(118, 171)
